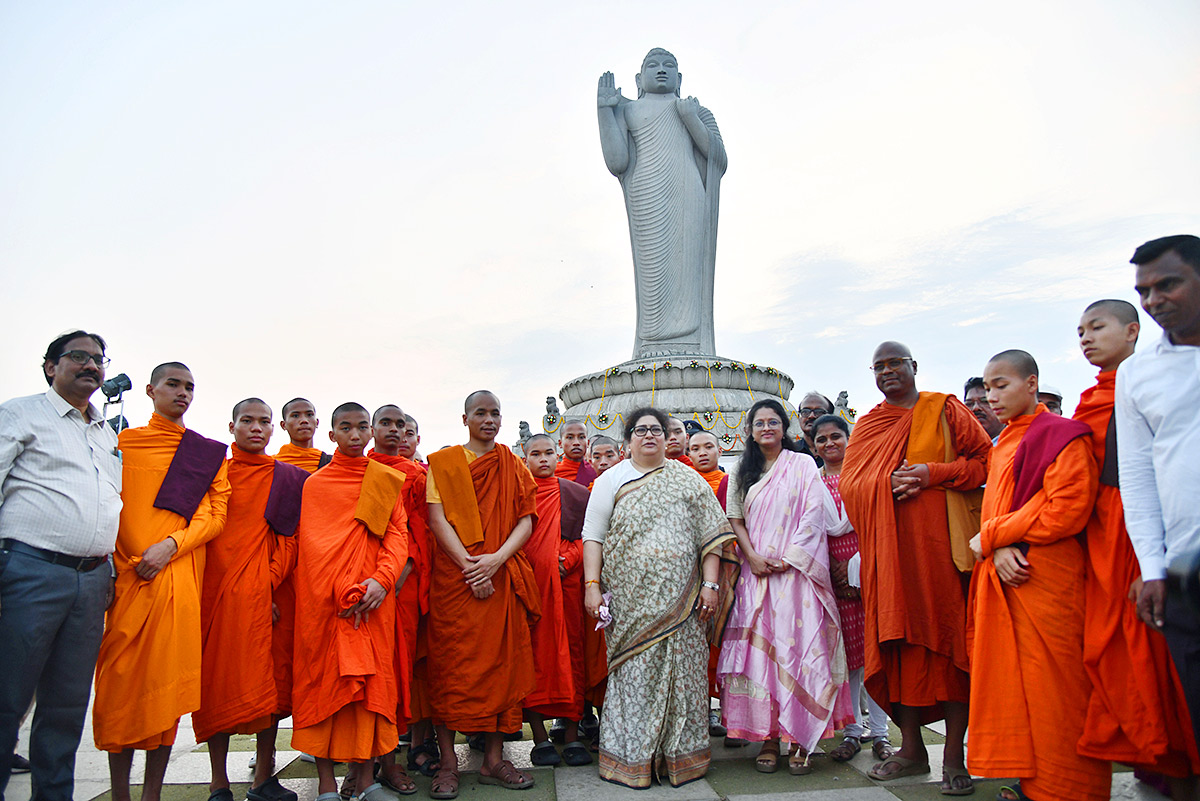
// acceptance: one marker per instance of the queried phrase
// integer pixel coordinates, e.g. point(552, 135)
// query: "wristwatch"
point(712, 585)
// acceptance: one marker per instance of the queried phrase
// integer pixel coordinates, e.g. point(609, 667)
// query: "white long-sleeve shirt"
point(1158, 452)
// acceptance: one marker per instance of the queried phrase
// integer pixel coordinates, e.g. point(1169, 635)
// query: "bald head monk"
point(911, 459)
point(352, 546)
point(1029, 696)
point(389, 426)
point(241, 690)
point(299, 419)
point(606, 452)
point(555, 551)
point(411, 439)
point(1136, 711)
point(483, 594)
point(174, 494)
point(705, 452)
point(574, 465)
point(677, 440)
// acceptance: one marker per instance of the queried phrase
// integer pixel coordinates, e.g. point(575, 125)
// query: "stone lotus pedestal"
point(714, 391)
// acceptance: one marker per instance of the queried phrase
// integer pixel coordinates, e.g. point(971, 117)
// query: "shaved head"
point(1020, 360)
point(476, 396)
point(1122, 310)
point(536, 438)
point(702, 434)
point(237, 407)
point(891, 350)
point(287, 407)
point(347, 408)
point(602, 440)
point(386, 407)
point(157, 373)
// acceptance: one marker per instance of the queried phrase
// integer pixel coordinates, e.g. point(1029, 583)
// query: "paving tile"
point(586, 785)
point(849, 794)
point(734, 777)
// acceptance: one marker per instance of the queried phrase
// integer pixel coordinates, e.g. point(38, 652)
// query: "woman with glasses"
point(652, 537)
point(782, 668)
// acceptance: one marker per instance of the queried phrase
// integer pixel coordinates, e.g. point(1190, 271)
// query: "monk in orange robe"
point(352, 546)
point(239, 693)
point(483, 596)
point(174, 494)
point(705, 452)
point(411, 441)
point(555, 551)
point(606, 452)
point(1029, 693)
point(301, 424)
point(1138, 713)
point(677, 441)
point(574, 465)
point(910, 459)
point(412, 597)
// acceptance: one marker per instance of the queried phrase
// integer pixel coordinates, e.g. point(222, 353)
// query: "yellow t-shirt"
point(431, 491)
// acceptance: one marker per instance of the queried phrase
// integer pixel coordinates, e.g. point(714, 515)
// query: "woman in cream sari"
point(782, 667)
point(653, 535)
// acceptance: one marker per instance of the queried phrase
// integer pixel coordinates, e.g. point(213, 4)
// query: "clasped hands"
point(763, 565)
point(908, 480)
point(1011, 565)
point(478, 572)
point(841, 581)
point(371, 599)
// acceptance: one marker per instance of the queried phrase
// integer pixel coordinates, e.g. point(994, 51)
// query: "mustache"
point(91, 373)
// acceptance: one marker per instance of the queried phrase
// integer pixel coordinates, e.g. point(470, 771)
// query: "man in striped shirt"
point(60, 502)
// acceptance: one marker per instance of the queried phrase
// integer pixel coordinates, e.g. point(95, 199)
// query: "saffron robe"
point(719, 482)
point(556, 693)
point(345, 695)
point(483, 657)
point(579, 472)
point(1029, 691)
point(915, 649)
point(413, 598)
point(573, 500)
point(309, 459)
point(1138, 713)
point(148, 671)
point(239, 693)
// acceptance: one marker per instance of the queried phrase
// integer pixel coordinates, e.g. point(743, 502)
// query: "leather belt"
point(83, 564)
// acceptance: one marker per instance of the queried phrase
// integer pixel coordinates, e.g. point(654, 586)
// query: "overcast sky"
point(366, 201)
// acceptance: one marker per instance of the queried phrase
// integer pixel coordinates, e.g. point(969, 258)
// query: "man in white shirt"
point(60, 503)
point(1158, 428)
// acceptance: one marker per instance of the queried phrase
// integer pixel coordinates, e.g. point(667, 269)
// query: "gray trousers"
point(51, 621)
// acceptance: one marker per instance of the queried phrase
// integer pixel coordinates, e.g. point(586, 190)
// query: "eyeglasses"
point(889, 364)
point(810, 412)
point(772, 423)
point(82, 356)
point(654, 431)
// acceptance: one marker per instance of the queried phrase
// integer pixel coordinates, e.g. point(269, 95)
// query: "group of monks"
point(255, 587)
point(999, 583)
point(368, 595)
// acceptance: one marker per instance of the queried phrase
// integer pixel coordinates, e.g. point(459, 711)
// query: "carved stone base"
point(714, 391)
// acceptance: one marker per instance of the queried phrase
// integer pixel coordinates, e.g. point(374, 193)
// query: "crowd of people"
point(986, 562)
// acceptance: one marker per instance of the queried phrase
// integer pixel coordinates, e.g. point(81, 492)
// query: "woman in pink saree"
point(782, 667)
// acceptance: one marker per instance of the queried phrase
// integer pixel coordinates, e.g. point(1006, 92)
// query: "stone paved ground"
point(732, 776)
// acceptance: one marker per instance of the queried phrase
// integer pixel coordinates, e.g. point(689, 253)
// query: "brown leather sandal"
point(444, 784)
point(506, 775)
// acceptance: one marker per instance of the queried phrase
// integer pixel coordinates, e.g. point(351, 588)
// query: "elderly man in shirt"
point(60, 502)
point(1158, 435)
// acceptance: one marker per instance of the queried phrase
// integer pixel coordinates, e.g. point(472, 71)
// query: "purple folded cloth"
point(283, 502)
point(605, 612)
point(196, 462)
